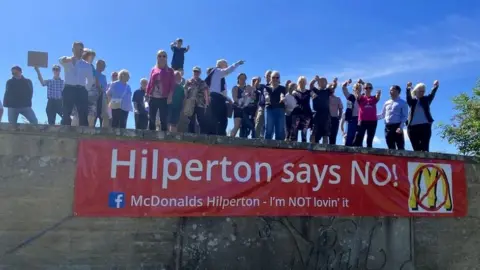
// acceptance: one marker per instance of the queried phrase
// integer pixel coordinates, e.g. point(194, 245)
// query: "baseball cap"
point(197, 69)
point(17, 68)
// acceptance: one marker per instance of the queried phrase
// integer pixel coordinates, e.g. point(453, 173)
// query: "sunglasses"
point(162, 56)
point(368, 87)
point(196, 71)
point(276, 78)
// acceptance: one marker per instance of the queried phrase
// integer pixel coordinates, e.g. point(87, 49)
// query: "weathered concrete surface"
point(38, 231)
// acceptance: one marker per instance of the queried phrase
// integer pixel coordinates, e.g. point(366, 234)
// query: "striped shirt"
point(54, 88)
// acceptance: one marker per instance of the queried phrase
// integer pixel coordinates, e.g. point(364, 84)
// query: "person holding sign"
point(78, 77)
point(54, 93)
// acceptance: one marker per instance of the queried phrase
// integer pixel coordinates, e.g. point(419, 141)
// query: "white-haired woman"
point(160, 90)
point(419, 117)
point(218, 96)
point(275, 108)
point(120, 95)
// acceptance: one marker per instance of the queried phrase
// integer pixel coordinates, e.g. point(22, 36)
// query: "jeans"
point(141, 121)
point(119, 118)
point(199, 114)
point(75, 96)
point(420, 136)
point(394, 140)
point(365, 126)
point(160, 105)
point(54, 107)
point(27, 112)
point(219, 118)
point(275, 124)
point(260, 123)
point(334, 124)
point(351, 131)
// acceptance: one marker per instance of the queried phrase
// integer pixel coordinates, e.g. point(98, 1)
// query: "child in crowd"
point(249, 105)
point(175, 108)
point(178, 58)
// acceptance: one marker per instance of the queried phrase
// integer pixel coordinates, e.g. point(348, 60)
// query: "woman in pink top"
point(160, 91)
point(367, 116)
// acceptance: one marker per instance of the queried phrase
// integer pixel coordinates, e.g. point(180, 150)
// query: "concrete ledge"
point(131, 134)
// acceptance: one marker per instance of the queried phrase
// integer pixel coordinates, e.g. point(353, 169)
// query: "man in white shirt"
point(218, 96)
point(78, 77)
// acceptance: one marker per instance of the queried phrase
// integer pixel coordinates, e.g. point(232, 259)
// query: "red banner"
point(160, 179)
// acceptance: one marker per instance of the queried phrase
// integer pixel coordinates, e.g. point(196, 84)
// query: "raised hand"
point(360, 81)
point(346, 83)
point(436, 83)
point(409, 85)
point(335, 80)
point(241, 62)
point(317, 77)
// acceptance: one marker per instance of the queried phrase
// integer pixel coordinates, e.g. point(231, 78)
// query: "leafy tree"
point(464, 131)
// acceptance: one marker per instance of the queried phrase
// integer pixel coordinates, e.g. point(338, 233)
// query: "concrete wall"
point(38, 230)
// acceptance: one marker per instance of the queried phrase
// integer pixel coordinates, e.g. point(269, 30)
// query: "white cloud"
point(461, 46)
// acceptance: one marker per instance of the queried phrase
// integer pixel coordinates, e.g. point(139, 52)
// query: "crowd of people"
point(269, 110)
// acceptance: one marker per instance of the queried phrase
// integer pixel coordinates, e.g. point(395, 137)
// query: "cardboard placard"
point(37, 59)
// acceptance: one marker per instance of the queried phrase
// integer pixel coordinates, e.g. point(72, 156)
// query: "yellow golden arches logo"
point(433, 176)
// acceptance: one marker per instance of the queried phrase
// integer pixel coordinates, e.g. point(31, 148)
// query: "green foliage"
point(464, 131)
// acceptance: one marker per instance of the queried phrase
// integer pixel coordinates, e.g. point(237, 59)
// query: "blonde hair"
point(268, 73)
point(162, 52)
point(122, 73)
point(300, 79)
point(220, 62)
point(417, 87)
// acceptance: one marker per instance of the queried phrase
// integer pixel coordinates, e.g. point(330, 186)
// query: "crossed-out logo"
point(430, 188)
point(116, 200)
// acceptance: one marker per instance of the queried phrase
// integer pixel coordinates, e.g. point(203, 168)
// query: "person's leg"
point(371, 129)
point(280, 124)
point(203, 121)
point(58, 109)
point(269, 124)
point(399, 139)
point(163, 114)
point(426, 135)
point(390, 137)
point(81, 102)
point(144, 121)
point(13, 115)
point(352, 128)
point(237, 123)
point(68, 98)
point(153, 106)
point(334, 123)
point(413, 135)
point(51, 111)
point(29, 114)
point(260, 123)
point(116, 115)
point(360, 134)
point(223, 120)
point(123, 119)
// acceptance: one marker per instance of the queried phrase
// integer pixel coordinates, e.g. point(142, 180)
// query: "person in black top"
point(274, 96)
point(237, 96)
point(302, 114)
point(321, 106)
point(419, 123)
point(178, 58)
point(260, 116)
point(249, 109)
point(138, 99)
point(18, 97)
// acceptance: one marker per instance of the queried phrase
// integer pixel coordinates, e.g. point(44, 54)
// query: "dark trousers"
point(75, 96)
point(199, 114)
point(420, 136)
point(365, 126)
point(99, 110)
point(158, 105)
point(248, 125)
point(334, 124)
point(290, 129)
point(219, 118)
point(141, 121)
point(54, 107)
point(351, 131)
point(394, 140)
point(119, 118)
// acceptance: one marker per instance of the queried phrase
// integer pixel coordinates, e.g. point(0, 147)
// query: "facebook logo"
point(116, 200)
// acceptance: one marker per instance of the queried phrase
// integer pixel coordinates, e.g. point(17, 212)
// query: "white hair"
point(143, 80)
point(301, 78)
point(275, 72)
point(122, 73)
point(220, 62)
point(418, 87)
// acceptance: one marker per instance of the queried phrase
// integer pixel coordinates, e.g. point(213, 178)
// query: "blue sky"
point(385, 42)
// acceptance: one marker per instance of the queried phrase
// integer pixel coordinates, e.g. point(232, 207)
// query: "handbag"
point(189, 107)
point(116, 103)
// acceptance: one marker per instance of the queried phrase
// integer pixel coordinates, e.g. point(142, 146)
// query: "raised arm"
point(312, 83)
point(187, 48)
point(235, 94)
point(345, 88)
point(378, 95)
point(432, 94)
point(64, 59)
point(40, 78)
point(225, 71)
point(409, 94)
